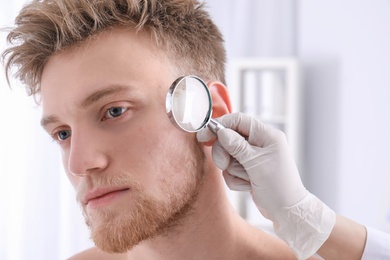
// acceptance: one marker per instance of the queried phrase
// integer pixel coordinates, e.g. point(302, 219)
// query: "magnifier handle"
point(214, 125)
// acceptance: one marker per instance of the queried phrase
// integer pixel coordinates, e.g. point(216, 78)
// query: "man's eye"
point(63, 135)
point(115, 112)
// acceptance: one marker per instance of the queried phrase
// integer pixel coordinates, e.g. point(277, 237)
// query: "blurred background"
point(327, 60)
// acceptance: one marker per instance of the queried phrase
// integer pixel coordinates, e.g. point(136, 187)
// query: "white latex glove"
point(256, 158)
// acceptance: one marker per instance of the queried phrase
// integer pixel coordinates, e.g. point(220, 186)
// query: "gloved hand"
point(255, 157)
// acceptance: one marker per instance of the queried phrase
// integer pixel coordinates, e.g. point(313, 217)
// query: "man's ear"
point(221, 102)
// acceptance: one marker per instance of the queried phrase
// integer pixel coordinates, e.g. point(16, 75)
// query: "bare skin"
point(338, 247)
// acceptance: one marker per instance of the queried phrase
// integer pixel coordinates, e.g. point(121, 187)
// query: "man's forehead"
point(107, 62)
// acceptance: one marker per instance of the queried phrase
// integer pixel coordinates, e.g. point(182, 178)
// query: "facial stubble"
point(150, 217)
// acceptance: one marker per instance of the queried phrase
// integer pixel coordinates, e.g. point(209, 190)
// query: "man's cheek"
point(72, 178)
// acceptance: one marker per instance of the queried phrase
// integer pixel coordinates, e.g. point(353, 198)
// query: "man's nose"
point(87, 154)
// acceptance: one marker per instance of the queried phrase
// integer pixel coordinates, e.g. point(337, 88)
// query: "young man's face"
point(135, 174)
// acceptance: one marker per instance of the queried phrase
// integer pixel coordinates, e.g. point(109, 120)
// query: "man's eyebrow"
point(46, 120)
point(98, 95)
point(92, 98)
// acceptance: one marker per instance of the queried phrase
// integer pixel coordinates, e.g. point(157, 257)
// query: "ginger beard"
point(147, 216)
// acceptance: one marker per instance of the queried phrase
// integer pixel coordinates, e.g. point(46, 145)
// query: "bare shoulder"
point(96, 254)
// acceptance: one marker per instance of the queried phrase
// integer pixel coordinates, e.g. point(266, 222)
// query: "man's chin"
point(114, 231)
point(114, 239)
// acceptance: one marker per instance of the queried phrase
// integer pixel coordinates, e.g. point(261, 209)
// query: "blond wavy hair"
point(181, 28)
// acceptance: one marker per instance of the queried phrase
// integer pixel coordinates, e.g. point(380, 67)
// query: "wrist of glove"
point(255, 157)
point(305, 226)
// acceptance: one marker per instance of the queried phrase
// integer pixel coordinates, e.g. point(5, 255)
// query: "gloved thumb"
point(221, 157)
point(205, 135)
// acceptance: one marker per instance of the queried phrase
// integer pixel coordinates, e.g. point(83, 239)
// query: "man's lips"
point(102, 193)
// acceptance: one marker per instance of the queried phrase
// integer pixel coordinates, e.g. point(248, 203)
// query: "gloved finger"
point(236, 169)
point(256, 132)
point(205, 135)
point(235, 183)
point(236, 145)
point(221, 157)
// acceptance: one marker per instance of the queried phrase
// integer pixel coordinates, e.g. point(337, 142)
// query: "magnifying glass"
point(189, 105)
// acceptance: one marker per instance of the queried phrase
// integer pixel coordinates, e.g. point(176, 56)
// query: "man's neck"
point(212, 224)
point(213, 231)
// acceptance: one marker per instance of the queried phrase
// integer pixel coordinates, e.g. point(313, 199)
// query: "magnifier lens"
point(189, 103)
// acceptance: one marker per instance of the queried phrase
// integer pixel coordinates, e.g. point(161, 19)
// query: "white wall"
point(256, 28)
point(344, 46)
